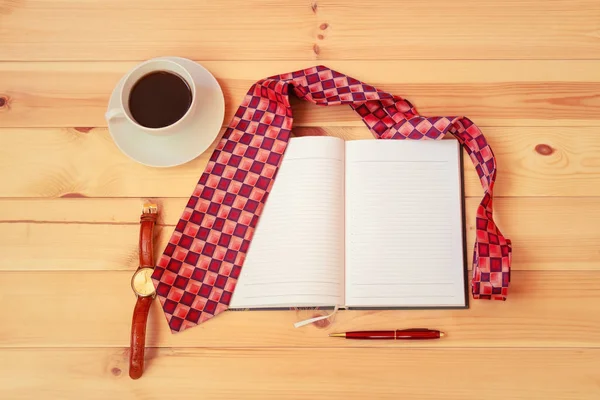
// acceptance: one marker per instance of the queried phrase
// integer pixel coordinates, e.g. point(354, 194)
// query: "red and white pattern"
point(197, 273)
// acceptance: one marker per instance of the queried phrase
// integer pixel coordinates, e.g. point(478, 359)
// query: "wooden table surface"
point(528, 72)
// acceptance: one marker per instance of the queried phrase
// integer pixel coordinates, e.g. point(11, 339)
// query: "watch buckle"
point(150, 208)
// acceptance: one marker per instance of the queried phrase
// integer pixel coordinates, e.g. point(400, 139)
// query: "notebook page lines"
point(402, 220)
point(296, 256)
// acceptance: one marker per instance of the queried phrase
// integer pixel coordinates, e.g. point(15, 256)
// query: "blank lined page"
point(297, 254)
point(404, 245)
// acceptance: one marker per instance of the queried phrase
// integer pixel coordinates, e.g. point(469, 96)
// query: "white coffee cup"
point(183, 140)
point(168, 65)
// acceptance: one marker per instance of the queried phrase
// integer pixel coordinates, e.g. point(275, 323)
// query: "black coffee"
point(159, 99)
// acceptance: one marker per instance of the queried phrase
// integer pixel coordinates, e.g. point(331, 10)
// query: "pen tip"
point(337, 335)
point(442, 334)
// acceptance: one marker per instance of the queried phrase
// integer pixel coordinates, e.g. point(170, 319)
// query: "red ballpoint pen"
point(402, 334)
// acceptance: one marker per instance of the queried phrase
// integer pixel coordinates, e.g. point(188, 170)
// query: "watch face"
point(141, 282)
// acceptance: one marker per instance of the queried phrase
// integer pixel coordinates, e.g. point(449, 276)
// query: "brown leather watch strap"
point(142, 306)
point(147, 222)
point(138, 336)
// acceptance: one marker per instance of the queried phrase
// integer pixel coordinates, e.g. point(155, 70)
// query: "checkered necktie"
point(198, 271)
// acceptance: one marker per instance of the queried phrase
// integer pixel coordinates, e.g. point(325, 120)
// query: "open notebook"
point(366, 223)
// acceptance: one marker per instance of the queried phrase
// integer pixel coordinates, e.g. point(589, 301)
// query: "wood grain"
point(549, 161)
point(298, 30)
point(102, 234)
point(528, 72)
point(75, 309)
point(560, 374)
point(492, 93)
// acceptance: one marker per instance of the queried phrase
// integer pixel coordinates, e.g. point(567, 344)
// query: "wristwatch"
point(142, 286)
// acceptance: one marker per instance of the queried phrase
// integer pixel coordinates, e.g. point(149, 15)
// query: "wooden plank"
point(547, 233)
point(81, 309)
point(549, 161)
point(458, 374)
point(307, 30)
point(101, 234)
point(492, 93)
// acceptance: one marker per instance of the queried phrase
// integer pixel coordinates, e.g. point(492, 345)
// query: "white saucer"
point(179, 147)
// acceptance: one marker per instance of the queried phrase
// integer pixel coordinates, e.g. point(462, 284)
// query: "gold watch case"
point(141, 282)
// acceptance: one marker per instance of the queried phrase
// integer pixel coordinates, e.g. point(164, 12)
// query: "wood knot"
point(3, 101)
point(83, 129)
point(116, 371)
point(324, 26)
point(320, 37)
point(73, 196)
point(324, 323)
point(314, 7)
point(316, 49)
point(544, 149)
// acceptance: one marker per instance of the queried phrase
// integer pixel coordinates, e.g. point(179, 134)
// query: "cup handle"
point(114, 113)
